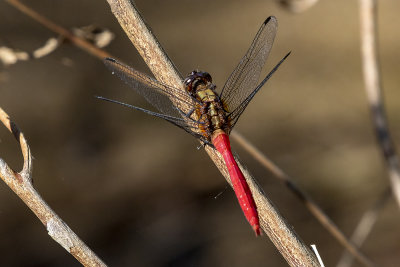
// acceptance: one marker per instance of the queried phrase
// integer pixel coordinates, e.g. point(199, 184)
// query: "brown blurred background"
point(138, 191)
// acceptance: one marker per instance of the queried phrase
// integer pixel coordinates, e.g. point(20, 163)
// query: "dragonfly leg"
point(189, 114)
point(184, 114)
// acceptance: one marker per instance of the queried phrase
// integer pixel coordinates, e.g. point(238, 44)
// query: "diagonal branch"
point(56, 28)
point(21, 184)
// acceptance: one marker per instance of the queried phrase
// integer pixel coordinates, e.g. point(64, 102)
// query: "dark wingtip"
point(269, 19)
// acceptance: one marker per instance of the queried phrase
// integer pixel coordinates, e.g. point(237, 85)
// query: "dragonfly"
point(204, 113)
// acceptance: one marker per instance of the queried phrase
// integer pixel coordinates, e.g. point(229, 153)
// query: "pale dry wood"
point(373, 87)
point(21, 184)
point(295, 252)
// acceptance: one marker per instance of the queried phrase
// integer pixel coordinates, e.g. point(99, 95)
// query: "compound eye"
point(208, 77)
point(193, 73)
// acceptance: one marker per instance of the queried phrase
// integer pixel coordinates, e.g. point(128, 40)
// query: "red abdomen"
point(221, 142)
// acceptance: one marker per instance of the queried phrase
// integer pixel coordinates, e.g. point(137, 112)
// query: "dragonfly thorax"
point(209, 108)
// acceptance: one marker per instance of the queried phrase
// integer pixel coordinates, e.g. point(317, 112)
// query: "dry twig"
point(21, 184)
point(60, 30)
point(373, 87)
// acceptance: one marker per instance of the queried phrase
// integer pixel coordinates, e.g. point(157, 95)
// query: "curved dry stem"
point(26, 171)
point(21, 184)
point(303, 197)
point(373, 87)
point(282, 235)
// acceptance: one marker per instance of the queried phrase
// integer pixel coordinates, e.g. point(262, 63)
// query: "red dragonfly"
point(210, 116)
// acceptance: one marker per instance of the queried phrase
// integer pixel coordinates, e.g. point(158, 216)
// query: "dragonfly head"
point(196, 78)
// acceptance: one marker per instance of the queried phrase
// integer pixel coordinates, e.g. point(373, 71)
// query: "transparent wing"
point(160, 96)
point(156, 93)
point(246, 75)
point(189, 126)
point(235, 114)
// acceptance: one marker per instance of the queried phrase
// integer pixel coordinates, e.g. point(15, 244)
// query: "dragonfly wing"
point(189, 126)
point(235, 114)
point(161, 96)
point(246, 75)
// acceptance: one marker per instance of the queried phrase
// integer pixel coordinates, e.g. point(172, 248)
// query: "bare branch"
point(91, 49)
point(21, 184)
point(100, 38)
point(373, 87)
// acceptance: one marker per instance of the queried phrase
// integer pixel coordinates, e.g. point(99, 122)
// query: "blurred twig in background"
point(373, 87)
point(364, 227)
point(21, 184)
point(87, 46)
point(99, 37)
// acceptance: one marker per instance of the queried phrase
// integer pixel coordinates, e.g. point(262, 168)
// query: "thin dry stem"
point(88, 47)
point(364, 227)
point(373, 87)
point(303, 197)
point(21, 184)
point(285, 239)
